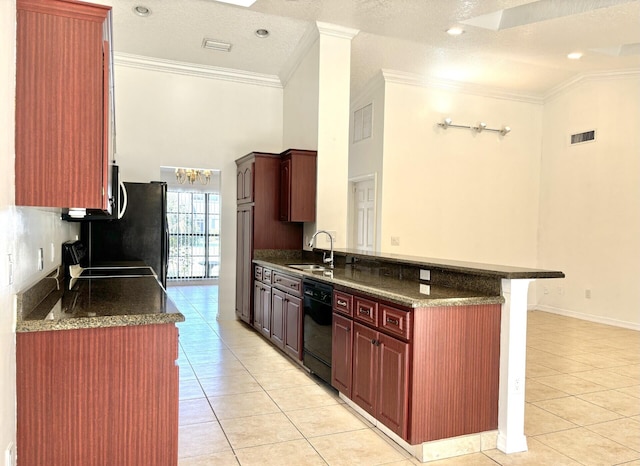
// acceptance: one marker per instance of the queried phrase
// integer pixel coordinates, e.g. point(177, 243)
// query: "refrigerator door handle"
point(122, 200)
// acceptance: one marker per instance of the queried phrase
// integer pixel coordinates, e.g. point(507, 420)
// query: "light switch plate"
point(425, 274)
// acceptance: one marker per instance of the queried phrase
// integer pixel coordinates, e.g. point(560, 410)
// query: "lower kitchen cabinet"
point(262, 308)
point(98, 396)
point(341, 354)
point(293, 327)
point(380, 376)
point(278, 304)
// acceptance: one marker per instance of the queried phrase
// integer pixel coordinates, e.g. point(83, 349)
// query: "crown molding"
point(191, 69)
point(365, 93)
point(308, 39)
point(399, 77)
point(592, 76)
point(342, 32)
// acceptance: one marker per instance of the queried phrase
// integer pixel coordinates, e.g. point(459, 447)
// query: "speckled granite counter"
point(374, 283)
point(92, 303)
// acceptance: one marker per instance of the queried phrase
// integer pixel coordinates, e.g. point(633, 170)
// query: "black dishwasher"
point(317, 302)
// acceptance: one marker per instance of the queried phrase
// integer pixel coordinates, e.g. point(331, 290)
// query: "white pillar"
point(513, 351)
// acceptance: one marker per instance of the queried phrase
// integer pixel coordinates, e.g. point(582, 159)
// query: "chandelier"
point(192, 175)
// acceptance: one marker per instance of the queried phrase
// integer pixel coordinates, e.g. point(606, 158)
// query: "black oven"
point(318, 298)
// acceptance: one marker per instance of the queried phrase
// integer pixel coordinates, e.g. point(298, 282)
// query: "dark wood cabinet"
point(63, 113)
point(98, 396)
point(262, 301)
point(278, 306)
point(287, 314)
point(298, 186)
point(365, 368)
point(341, 354)
point(293, 330)
point(258, 225)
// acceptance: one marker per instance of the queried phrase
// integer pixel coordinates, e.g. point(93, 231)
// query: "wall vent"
point(363, 123)
point(581, 138)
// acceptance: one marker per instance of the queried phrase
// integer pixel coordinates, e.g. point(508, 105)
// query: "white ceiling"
point(401, 35)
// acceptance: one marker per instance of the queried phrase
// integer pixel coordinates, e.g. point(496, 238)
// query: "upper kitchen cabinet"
point(245, 182)
point(64, 111)
point(298, 186)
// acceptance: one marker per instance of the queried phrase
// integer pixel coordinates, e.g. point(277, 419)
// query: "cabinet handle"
point(348, 329)
point(393, 321)
point(342, 303)
point(364, 311)
point(375, 342)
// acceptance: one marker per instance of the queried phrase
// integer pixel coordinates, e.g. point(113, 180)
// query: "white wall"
point(24, 230)
point(168, 119)
point(590, 201)
point(453, 193)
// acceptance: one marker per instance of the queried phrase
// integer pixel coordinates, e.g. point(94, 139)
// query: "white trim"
point(400, 77)
point(367, 91)
point(191, 69)
point(334, 30)
point(309, 38)
point(584, 316)
point(591, 76)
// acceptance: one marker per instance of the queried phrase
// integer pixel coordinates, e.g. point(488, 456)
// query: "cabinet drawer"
point(343, 303)
point(395, 321)
point(365, 310)
point(257, 273)
point(266, 275)
point(287, 283)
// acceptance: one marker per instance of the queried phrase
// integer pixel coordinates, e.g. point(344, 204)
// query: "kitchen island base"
point(436, 449)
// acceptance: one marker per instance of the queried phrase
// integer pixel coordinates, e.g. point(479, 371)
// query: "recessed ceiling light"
point(455, 31)
point(574, 56)
point(245, 3)
point(216, 45)
point(141, 10)
point(262, 33)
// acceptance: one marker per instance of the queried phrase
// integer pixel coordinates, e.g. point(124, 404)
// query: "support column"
point(513, 351)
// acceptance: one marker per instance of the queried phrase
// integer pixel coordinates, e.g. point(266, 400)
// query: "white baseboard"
point(583, 316)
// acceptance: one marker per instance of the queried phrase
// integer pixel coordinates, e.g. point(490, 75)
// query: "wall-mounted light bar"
point(479, 128)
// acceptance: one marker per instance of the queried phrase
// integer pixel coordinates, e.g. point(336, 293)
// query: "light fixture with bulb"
point(455, 31)
point(479, 128)
point(142, 10)
point(192, 175)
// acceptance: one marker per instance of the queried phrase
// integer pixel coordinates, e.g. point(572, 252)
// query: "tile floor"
point(244, 403)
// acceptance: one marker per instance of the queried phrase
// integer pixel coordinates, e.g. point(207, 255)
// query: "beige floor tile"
point(628, 356)
point(259, 430)
point(284, 379)
point(598, 360)
point(578, 411)
point(633, 391)
point(534, 370)
point(588, 448)
point(624, 431)
point(222, 458)
point(272, 363)
point(296, 452)
point(538, 454)
point(631, 370)
point(535, 391)
point(570, 384)
point(211, 355)
point(243, 405)
point(195, 411)
point(260, 349)
point(190, 389)
point(324, 420)
point(564, 365)
point(357, 447)
point(229, 385)
point(201, 439)
point(309, 396)
point(615, 401)
point(538, 421)
point(475, 459)
point(606, 378)
point(219, 369)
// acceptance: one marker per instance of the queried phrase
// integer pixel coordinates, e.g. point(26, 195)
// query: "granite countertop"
point(93, 303)
point(373, 283)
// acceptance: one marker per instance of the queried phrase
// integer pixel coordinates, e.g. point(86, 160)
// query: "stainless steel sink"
point(307, 267)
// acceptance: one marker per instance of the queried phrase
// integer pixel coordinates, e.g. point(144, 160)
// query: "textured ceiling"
point(400, 35)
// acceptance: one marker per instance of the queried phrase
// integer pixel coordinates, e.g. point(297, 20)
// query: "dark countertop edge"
point(385, 295)
point(79, 323)
point(502, 271)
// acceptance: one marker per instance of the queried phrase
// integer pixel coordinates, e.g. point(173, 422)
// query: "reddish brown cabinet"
point(245, 182)
point(244, 254)
point(98, 396)
point(278, 305)
point(341, 354)
point(287, 314)
point(262, 301)
point(63, 112)
point(298, 186)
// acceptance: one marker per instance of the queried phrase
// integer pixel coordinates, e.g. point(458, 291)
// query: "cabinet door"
point(240, 185)
point(61, 92)
point(244, 248)
point(266, 311)
point(258, 300)
point(293, 327)
point(341, 360)
point(285, 190)
point(393, 370)
point(277, 317)
point(247, 178)
point(365, 368)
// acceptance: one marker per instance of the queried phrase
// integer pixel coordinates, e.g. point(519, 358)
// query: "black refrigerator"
point(142, 234)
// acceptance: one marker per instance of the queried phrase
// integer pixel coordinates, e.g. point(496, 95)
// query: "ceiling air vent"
point(580, 138)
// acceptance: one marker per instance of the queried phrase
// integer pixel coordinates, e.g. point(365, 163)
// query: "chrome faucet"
point(325, 259)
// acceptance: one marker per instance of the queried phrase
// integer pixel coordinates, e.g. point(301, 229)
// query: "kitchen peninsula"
point(97, 381)
point(431, 351)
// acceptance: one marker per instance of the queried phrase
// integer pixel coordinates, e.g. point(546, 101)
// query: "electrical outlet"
point(425, 274)
point(10, 455)
point(546, 290)
point(395, 241)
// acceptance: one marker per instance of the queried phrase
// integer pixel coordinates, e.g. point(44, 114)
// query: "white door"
point(364, 204)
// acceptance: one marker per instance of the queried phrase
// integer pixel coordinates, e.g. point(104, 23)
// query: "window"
point(194, 235)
